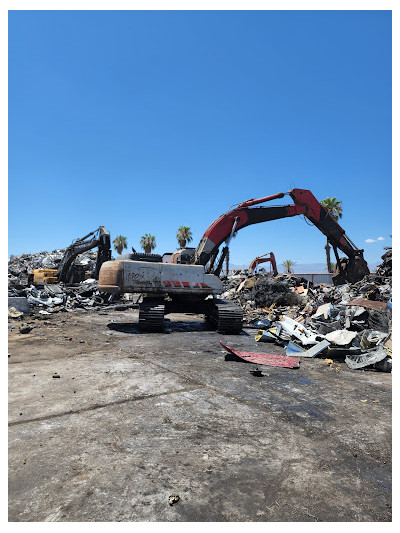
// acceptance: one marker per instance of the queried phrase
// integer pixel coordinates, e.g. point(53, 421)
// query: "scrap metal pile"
point(51, 298)
point(20, 266)
point(350, 322)
point(385, 269)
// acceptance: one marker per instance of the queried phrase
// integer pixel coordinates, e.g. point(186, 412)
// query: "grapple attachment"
point(350, 270)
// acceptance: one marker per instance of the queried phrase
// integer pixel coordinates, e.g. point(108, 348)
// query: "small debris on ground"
point(174, 498)
point(14, 313)
point(256, 372)
point(25, 329)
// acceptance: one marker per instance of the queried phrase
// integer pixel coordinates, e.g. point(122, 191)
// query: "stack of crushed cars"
point(52, 298)
point(350, 322)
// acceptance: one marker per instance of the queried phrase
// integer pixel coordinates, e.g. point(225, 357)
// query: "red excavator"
point(262, 259)
point(190, 282)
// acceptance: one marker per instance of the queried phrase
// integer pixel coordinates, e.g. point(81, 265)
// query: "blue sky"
point(145, 121)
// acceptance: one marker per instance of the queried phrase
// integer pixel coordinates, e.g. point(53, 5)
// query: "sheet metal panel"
point(265, 358)
point(322, 277)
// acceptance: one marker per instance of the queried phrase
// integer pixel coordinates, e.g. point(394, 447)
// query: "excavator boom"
point(262, 259)
point(82, 245)
point(221, 228)
point(305, 204)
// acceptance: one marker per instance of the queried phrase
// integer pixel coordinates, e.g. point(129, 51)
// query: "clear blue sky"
point(145, 121)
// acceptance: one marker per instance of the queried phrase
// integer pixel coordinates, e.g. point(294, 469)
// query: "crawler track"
point(151, 315)
point(227, 316)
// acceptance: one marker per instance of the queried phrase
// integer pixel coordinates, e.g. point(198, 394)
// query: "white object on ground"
point(293, 328)
point(341, 337)
point(14, 313)
point(366, 359)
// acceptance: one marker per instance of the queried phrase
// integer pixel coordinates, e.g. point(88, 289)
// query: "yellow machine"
point(44, 275)
point(68, 272)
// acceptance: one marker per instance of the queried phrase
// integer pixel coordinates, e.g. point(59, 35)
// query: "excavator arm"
point(240, 217)
point(102, 240)
point(305, 203)
point(262, 259)
point(320, 217)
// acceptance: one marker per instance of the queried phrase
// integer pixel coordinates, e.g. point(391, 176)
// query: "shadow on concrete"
point(125, 327)
point(170, 327)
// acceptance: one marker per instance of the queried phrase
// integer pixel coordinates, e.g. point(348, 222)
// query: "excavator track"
point(151, 315)
point(227, 316)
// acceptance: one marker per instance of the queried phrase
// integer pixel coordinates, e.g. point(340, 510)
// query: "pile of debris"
point(351, 321)
point(385, 269)
point(26, 298)
point(257, 292)
point(58, 297)
point(20, 266)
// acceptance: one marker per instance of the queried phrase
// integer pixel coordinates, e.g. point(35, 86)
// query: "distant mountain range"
point(300, 268)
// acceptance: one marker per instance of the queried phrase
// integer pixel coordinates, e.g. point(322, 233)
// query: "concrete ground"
point(135, 418)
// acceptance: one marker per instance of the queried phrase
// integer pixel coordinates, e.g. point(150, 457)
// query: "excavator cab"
point(183, 256)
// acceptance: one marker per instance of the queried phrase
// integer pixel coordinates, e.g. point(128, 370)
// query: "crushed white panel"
point(45, 301)
point(315, 350)
point(327, 310)
point(341, 337)
point(297, 330)
point(293, 350)
point(366, 359)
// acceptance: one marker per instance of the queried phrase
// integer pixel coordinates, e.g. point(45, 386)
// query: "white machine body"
point(159, 278)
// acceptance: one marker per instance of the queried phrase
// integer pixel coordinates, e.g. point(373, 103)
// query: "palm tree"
point(183, 235)
point(120, 243)
point(287, 265)
point(148, 243)
point(335, 210)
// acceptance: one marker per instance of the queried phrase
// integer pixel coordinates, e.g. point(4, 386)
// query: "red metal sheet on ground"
point(265, 358)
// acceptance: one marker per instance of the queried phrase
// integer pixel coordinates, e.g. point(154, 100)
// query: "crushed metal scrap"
point(28, 297)
point(349, 322)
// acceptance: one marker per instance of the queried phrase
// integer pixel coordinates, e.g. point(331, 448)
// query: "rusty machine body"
point(262, 259)
point(190, 283)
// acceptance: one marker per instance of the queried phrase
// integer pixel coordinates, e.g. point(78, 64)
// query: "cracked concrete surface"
point(135, 418)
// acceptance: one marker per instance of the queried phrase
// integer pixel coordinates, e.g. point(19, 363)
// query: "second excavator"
point(67, 271)
point(262, 259)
